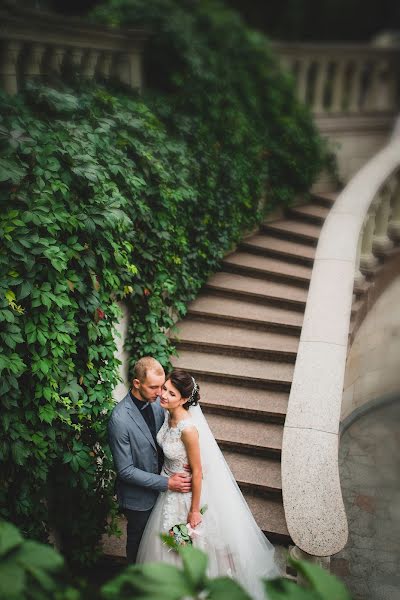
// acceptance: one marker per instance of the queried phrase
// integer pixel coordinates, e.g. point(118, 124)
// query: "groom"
point(132, 430)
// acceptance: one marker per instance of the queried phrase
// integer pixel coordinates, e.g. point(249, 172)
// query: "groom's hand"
point(180, 482)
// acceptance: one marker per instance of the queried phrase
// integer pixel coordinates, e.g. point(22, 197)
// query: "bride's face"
point(171, 397)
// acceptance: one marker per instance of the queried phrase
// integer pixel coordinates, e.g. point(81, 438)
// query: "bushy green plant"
point(33, 571)
point(108, 197)
point(217, 85)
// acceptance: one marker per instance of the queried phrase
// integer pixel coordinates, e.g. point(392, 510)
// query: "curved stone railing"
point(344, 78)
point(37, 44)
point(362, 226)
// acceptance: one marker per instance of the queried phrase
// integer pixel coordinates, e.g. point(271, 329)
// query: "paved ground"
point(369, 461)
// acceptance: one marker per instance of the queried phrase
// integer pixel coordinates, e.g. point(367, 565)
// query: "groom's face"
point(149, 389)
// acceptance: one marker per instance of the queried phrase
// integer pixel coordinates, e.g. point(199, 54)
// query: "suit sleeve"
point(122, 455)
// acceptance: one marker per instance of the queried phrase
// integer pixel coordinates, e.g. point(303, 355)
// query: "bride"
point(227, 532)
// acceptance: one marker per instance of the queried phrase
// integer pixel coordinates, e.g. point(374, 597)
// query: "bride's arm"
point(190, 438)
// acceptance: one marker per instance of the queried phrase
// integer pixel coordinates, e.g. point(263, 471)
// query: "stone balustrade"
point(38, 45)
point(344, 78)
point(359, 233)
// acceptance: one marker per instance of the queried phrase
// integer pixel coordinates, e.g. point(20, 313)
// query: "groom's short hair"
point(145, 364)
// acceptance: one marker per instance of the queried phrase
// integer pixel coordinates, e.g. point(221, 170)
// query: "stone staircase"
point(240, 340)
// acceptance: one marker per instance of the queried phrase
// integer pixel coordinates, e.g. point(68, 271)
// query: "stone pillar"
point(358, 276)
point(297, 554)
point(367, 259)
point(130, 70)
point(302, 79)
point(33, 63)
point(355, 87)
point(338, 87)
point(76, 57)
point(104, 64)
point(320, 84)
point(8, 66)
point(56, 59)
point(89, 63)
point(394, 217)
point(381, 242)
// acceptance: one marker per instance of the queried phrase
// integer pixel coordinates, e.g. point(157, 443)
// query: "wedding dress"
point(235, 545)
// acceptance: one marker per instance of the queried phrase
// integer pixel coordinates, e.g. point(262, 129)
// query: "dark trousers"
point(137, 520)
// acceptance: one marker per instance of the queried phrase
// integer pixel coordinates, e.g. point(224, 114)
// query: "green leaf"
point(10, 538)
point(194, 564)
point(225, 588)
point(328, 586)
point(283, 589)
point(12, 580)
point(33, 554)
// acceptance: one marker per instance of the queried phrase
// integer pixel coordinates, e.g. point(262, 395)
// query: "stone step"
point(249, 372)
point(243, 435)
point(235, 341)
point(267, 245)
point(310, 213)
point(296, 231)
point(246, 313)
point(270, 517)
point(257, 473)
point(242, 401)
point(257, 290)
point(324, 198)
point(244, 263)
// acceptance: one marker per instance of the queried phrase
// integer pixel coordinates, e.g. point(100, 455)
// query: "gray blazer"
point(135, 455)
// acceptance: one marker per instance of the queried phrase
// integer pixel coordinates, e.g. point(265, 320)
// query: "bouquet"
point(181, 534)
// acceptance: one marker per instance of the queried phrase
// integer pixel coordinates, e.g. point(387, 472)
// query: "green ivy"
point(108, 197)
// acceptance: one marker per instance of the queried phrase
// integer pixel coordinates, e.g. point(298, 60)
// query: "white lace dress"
point(228, 533)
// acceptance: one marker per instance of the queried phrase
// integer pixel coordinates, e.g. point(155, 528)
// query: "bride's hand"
point(194, 518)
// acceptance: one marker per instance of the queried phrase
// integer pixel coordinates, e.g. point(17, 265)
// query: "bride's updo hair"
point(186, 385)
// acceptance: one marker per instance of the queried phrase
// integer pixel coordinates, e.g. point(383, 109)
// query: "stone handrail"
point(363, 225)
point(36, 44)
point(344, 78)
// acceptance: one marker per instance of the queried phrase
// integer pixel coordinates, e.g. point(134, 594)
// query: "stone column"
point(33, 63)
point(104, 64)
point(358, 276)
point(76, 57)
point(56, 59)
point(355, 87)
point(367, 259)
point(89, 63)
point(8, 66)
point(381, 242)
point(394, 217)
point(302, 79)
point(322, 73)
point(338, 86)
point(130, 70)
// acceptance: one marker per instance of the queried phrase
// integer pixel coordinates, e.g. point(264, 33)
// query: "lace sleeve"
point(186, 424)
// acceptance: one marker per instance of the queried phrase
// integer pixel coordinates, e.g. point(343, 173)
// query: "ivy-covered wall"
point(105, 197)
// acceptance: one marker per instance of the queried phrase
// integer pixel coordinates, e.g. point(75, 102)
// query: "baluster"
point(376, 91)
point(104, 65)
point(367, 259)
point(89, 63)
point(338, 87)
point(355, 87)
point(8, 66)
point(33, 64)
point(56, 59)
point(302, 79)
point(129, 68)
point(381, 242)
point(76, 55)
point(322, 72)
point(394, 218)
point(358, 276)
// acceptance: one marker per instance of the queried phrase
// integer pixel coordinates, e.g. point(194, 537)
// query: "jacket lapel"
point(134, 413)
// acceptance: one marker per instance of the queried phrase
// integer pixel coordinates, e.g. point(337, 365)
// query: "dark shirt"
point(147, 413)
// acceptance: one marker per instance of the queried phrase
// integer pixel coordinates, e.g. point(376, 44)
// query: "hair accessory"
point(194, 390)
